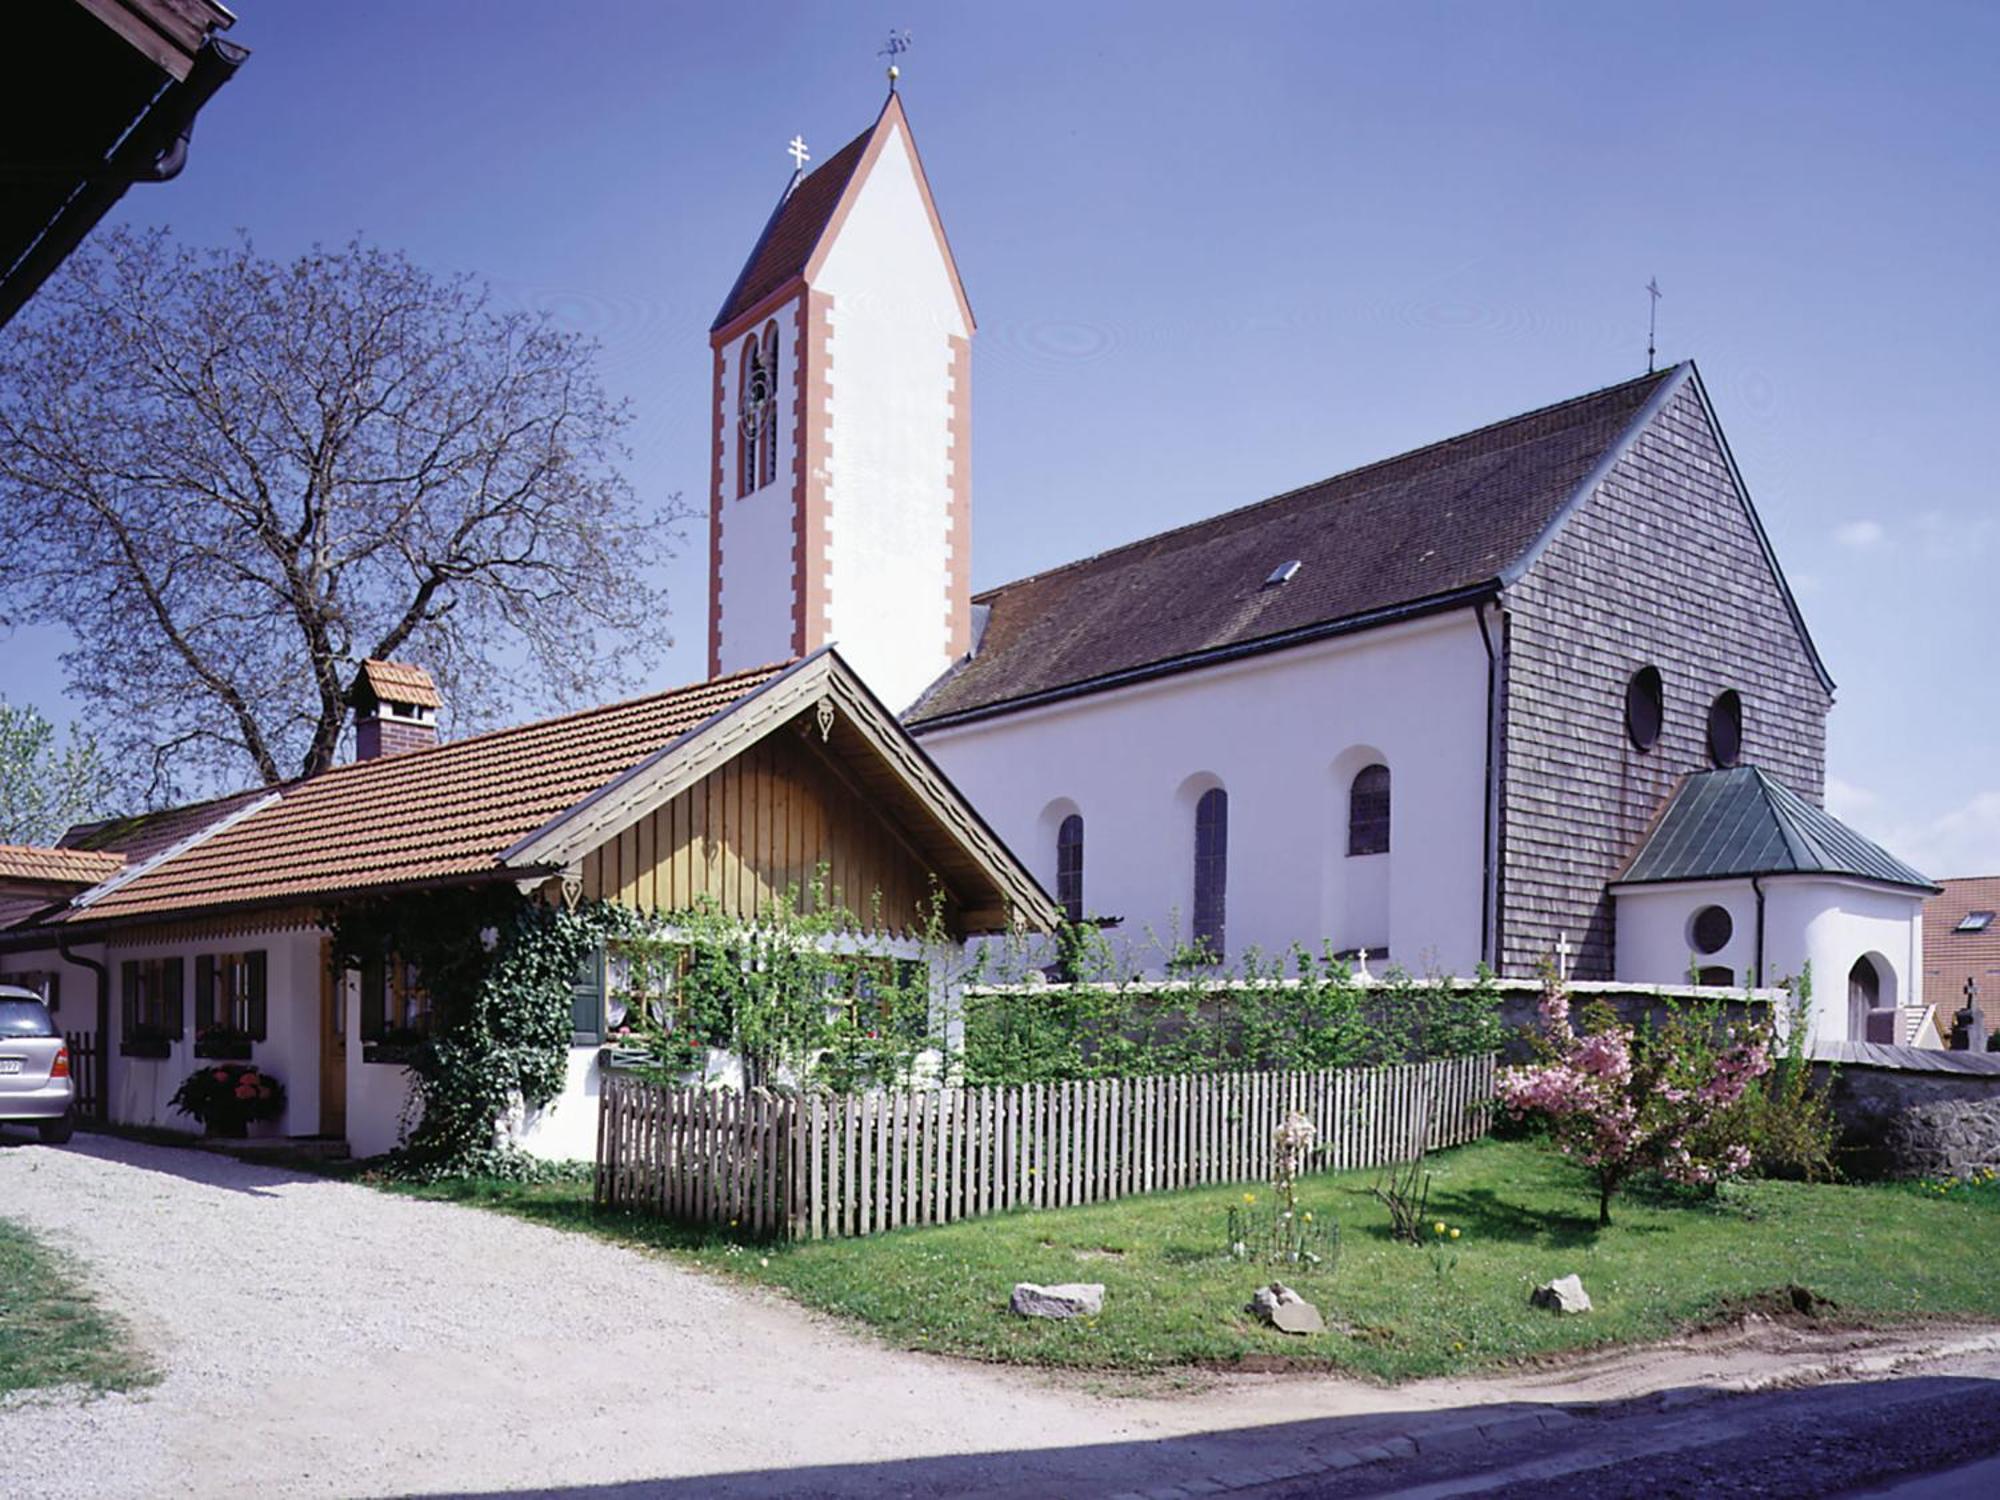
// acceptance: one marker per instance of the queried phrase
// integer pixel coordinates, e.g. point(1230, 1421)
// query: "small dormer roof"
point(393, 682)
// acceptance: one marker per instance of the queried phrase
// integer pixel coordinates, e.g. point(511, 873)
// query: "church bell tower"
point(841, 492)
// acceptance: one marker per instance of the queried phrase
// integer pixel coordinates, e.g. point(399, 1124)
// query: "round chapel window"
point(1645, 707)
point(1725, 729)
point(1712, 928)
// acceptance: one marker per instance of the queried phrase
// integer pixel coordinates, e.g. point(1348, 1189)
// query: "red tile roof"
point(65, 866)
point(1951, 957)
point(420, 816)
point(1425, 525)
point(794, 230)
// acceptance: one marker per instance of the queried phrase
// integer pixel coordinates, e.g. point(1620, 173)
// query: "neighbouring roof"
point(794, 229)
point(396, 682)
point(58, 866)
point(111, 89)
point(424, 815)
point(1728, 825)
point(1952, 956)
point(140, 836)
point(1429, 525)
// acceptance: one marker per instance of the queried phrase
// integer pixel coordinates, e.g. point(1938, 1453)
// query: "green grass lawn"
point(1174, 1297)
point(51, 1332)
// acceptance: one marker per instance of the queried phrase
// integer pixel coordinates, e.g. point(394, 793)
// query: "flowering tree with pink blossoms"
point(1668, 1099)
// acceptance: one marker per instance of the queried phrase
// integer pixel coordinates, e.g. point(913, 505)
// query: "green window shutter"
point(258, 966)
point(128, 990)
point(586, 999)
point(204, 993)
point(374, 979)
point(174, 979)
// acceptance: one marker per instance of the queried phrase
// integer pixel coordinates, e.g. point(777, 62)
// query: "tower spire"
point(897, 45)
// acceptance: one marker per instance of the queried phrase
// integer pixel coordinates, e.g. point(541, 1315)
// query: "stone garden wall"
point(1907, 1122)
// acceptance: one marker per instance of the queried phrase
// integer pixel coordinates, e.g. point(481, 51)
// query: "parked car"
point(35, 1085)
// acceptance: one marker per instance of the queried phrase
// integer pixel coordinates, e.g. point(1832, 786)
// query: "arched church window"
point(1645, 708)
point(767, 432)
point(1368, 811)
point(1715, 976)
point(1069, 867)
point(755, 392)
point(1725, 728)
point(1211, 870)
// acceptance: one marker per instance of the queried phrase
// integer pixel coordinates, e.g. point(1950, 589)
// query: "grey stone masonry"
point(1899, 1123)
point(1661, 565)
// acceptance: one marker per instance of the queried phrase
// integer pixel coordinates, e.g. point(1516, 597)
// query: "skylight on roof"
point(1974, 921)
point(1283, 573)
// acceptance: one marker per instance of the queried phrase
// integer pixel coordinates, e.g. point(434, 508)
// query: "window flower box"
point(224, 1045)
point(153, 1044)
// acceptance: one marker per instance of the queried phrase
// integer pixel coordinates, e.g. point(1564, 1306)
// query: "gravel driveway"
point(318, 1337)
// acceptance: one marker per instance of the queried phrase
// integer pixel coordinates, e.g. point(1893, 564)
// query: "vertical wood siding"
point(768, 820)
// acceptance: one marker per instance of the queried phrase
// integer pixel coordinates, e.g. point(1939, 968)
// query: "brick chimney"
point(395, 709)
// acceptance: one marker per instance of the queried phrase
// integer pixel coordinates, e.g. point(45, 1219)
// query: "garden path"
point(321, 1338)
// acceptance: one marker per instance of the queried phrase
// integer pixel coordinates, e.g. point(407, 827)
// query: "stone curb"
point(1457, 1438)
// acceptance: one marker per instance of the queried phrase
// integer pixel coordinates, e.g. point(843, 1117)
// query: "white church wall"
point(1827, 922)
point(891, 320)
point(757, 580)
point(1283, 733)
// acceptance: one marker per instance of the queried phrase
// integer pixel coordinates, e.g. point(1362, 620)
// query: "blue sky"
point(1220, 251)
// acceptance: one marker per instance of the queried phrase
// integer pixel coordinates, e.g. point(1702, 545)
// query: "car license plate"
point(10, 1064)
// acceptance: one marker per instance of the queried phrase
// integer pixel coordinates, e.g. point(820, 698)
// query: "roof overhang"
point(994, 891)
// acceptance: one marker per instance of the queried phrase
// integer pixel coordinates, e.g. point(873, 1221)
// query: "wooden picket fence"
point(823, 1166)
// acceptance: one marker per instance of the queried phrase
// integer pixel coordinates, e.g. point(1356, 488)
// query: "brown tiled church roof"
point(1420, 527)
point(424, 815)
point(794, 230)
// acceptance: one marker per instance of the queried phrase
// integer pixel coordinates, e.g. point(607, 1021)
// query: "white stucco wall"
point(1284, 733)
point(141, 1087)
point(759, 574)
point(1826, 922)
point(893, 314)
point(76, 988)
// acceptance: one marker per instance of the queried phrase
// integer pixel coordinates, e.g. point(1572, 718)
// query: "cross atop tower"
point(800, 156)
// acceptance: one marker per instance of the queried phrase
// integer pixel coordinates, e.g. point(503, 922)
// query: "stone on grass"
point(1563, 1295)
point(1285, 1310)
point(1070, 1299)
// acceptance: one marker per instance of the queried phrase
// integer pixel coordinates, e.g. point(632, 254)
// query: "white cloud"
point(1964, 840)
point(1859, 535)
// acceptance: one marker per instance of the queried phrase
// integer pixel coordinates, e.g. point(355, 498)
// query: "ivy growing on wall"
point(498, 967)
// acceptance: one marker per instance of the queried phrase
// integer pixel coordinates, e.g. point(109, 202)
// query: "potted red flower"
point(228, 1096)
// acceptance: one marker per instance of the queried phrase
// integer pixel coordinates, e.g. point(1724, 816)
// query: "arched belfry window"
point(1211, 870)
point(767, 431)
point(757, 391)
point(1368, 811)
point(1069, 867)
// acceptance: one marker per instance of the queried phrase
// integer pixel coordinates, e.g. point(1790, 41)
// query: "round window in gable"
point(1645, 707)
point(1725, 728)
point(1712, 929)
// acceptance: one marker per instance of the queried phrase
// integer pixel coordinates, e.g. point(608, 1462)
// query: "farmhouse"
point(200, 933)
point(1541, 680)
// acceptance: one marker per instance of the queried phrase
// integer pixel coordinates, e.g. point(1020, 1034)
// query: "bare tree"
point(233, 478)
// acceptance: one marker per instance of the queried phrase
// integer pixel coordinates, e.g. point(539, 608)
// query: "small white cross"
point(1562, 957)
point(800, 156)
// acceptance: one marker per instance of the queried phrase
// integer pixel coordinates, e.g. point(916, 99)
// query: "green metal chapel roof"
point(1724, 825)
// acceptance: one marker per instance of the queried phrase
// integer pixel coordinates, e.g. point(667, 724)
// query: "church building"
point(1536, 684)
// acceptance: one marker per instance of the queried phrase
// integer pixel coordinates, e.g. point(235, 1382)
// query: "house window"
point(1725, 728)
point(1211, 871)
point(44, 982)
point(1645, 708)
point(886, 995)
point(1069, 867)
point(229, 1003)
point(395, 1008)
point(1711, 929)
point(589, 994)
point(1972, 921)
point(1368, 811)
point(151, 991)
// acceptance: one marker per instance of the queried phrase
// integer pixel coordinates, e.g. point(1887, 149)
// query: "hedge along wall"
point(1041, 1033)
